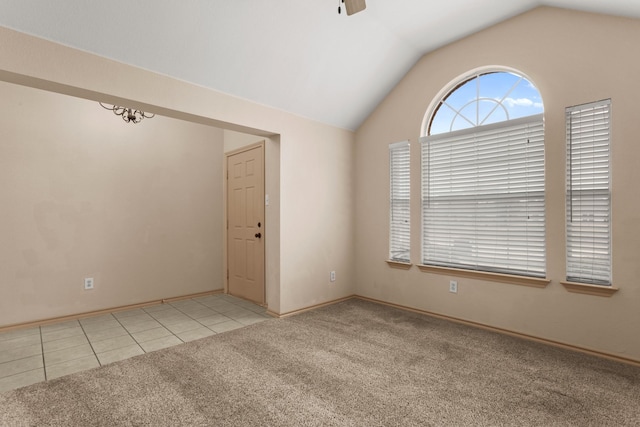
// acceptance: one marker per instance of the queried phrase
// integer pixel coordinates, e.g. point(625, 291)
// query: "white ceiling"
point(295, 55)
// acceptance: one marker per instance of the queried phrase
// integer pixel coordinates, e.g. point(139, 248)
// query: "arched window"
point(482, 99)
point(483, 176)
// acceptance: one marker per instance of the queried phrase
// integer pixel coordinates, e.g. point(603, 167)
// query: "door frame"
point(225, 215)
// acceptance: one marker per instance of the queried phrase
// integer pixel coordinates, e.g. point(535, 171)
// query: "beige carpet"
point(351, 364)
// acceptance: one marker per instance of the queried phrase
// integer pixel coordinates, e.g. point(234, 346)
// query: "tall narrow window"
point(483, 204)
point(588, 188)
point(400, 233)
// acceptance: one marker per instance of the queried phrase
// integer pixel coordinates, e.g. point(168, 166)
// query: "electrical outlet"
point(332, 276)
point(88, 283)
point(453, 286)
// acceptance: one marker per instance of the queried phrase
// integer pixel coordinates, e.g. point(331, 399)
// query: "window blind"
point(483, 202)
point(588, 211)
point(400, 232)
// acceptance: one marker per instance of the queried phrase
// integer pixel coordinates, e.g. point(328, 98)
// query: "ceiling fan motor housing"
point(354, 6)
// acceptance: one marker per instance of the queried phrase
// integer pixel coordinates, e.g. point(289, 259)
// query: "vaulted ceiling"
point(295, 55)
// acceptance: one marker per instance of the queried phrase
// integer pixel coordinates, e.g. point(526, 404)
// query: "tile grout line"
point(196, 320)
point(89, 341)
point(129, 333)
point(230, 301)
point(163, 325)
point(44, 366)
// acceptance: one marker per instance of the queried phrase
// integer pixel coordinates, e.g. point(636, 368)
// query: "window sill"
point(484, 275)
point(583, 288)
point(399, 264)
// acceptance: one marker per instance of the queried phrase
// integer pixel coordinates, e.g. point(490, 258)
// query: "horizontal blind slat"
point(588, 201)
point(400, 201)
point(483, 198)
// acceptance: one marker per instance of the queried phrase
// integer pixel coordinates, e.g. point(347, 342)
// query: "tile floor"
point(42, 353)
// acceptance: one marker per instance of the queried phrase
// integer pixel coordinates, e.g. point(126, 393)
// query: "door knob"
point(258, 235)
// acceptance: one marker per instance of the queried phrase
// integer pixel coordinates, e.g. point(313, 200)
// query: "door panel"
point(246, 230)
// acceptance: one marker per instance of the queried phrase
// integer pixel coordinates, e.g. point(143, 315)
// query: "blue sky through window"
point(485, 99)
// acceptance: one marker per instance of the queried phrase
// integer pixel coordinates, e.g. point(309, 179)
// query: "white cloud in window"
point(521, 102)
point(531, 86)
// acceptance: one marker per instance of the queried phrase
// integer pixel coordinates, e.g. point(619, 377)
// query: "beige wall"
point(316, 164)
point(236, 140)
point(137, 207)
point(573, 58)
